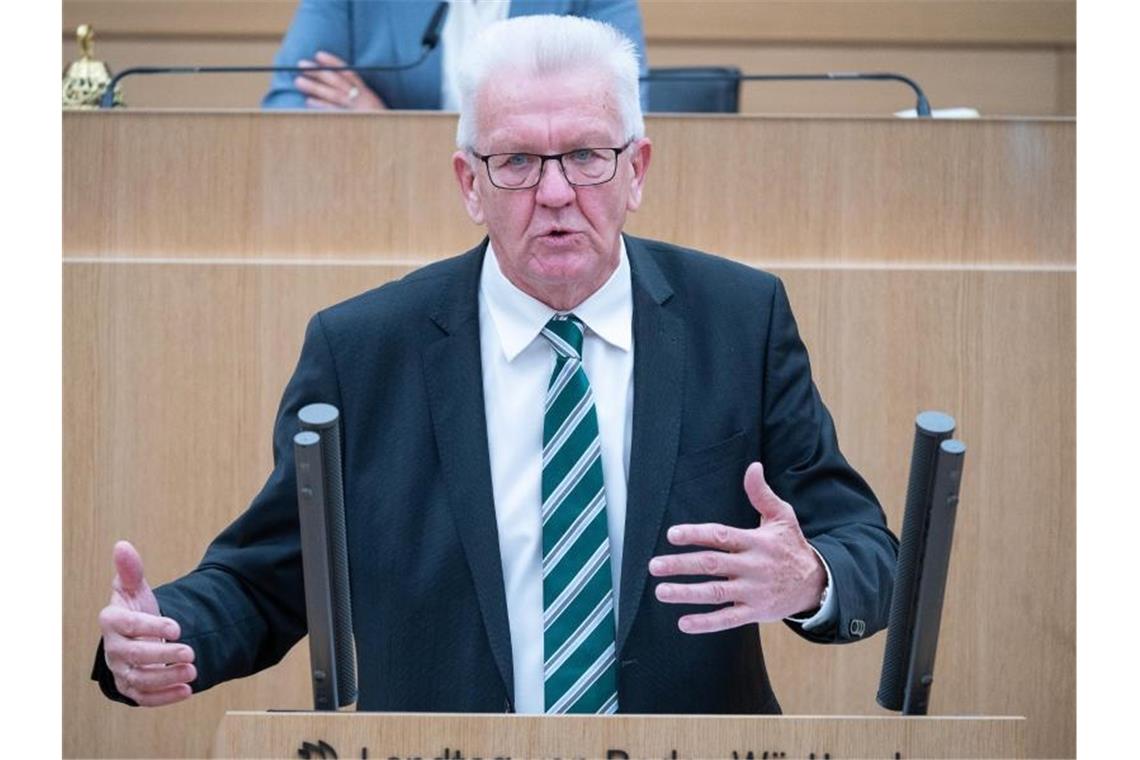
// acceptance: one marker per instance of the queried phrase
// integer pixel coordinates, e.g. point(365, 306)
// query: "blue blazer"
point(377, 32)
point(721, 378)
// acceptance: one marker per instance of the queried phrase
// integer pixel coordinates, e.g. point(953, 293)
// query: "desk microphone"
point(428, 42)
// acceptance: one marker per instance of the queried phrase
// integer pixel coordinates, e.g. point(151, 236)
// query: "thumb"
point(128, 568)
point(763, 498)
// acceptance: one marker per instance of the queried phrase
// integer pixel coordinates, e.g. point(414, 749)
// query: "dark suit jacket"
point(721, 378)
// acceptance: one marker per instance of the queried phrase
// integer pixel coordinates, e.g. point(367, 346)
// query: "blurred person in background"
point(389, 32)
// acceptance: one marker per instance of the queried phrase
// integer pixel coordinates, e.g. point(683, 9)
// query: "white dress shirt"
point(465, 19)
point(517, 363)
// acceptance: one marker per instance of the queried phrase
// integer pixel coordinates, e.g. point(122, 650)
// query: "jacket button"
point(857, 627)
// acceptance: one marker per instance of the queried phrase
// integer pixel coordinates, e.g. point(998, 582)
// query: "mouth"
point(558, 234)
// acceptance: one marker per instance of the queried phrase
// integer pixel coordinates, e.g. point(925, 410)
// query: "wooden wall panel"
point(182, 18)
point(868, 21)
point(1039, 22)
point(850, 191)
point(172, 373)
point(1067, 82)
point(259, 734)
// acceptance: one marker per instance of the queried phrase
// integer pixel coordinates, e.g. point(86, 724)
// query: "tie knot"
point(565, 332)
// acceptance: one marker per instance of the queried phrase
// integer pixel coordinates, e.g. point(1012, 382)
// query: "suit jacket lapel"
point(454, 379)
point(658, 374)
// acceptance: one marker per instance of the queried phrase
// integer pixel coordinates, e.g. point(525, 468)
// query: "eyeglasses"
point(582, 167)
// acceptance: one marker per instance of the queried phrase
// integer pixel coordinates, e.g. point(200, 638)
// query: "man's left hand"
point(767, 573)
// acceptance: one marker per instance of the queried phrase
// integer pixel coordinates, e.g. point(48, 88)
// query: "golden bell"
point(86, 79)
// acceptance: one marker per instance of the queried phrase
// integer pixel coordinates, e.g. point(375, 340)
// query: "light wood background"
point(185, 304)
point(249, 734)
point(850, 191)
point(1003, 57)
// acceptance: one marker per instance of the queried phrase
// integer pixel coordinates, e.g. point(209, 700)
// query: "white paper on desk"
point(942, 113)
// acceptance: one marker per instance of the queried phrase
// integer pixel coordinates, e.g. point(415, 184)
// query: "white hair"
point(543, 45)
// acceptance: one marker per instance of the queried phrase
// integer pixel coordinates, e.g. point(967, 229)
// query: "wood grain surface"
point(458, 735)
point(944, 21)
point(1052, 22)
point(770, 191)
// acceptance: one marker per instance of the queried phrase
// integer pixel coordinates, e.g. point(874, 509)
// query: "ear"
point(639, 154)
point(465, 176)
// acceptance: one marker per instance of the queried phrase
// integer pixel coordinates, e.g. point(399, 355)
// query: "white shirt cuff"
point(826, 611)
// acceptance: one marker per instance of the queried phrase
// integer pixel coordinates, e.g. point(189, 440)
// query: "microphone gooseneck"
point(435, 26)
point(922, 107)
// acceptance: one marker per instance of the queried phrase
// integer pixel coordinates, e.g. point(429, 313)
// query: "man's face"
point(557, 242)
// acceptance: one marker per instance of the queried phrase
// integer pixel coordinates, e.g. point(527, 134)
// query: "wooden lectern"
point(930, 263)
point(467, 737)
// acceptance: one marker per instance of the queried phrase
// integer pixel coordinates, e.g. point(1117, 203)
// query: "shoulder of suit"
point(685, 268)
point(398, 302)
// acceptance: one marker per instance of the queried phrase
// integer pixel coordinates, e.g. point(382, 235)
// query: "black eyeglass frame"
point(542, 165)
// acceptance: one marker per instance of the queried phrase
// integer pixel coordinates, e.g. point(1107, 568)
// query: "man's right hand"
point(138, 642)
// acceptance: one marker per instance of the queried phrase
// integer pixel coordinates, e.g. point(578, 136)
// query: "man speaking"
point(580, 467)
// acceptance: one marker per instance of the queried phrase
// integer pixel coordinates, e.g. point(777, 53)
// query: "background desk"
point(999, 57)
point(930, 265)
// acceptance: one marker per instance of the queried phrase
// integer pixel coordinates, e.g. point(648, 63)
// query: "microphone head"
point(318, 416)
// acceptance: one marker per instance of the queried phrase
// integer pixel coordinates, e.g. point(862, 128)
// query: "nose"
point(553, 188)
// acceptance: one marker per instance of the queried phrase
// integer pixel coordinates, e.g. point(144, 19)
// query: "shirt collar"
point(519, 318)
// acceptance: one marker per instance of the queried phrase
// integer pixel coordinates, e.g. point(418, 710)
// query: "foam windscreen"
point(931, 428)
point(324, 420)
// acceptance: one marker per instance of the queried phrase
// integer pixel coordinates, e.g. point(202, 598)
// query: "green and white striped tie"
point(579, 669)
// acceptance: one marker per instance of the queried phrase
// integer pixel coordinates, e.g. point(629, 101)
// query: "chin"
point(564, 266)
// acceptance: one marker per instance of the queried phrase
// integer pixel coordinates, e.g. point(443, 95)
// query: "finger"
point(352, 77)
point(326, 58)
point(157, 677)
point(128, 569)
point(321, 104)
point(712, 592)
point(337, 80)
point(321, 91)
point(135, 654)
point(717, 620)
point(159, 698)
point(132, 625)
point(697, 563)
point(770, 506)
point(334, 79)
point(711, 535)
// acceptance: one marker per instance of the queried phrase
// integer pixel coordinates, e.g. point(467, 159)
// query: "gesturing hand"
point(768, 572)
point(335, 89)
point(137, 646)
